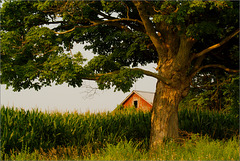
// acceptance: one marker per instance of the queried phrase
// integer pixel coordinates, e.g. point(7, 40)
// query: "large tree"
point(181, 37)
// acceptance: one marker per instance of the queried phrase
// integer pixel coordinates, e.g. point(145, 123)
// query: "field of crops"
point(40, 132)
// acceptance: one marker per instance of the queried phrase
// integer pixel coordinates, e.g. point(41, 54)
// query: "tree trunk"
point(164, 120)
point(174, 67)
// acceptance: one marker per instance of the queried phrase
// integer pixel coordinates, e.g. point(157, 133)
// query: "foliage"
point(35, 130)
point(36, 37)
point(123, 80)
point(222, 95)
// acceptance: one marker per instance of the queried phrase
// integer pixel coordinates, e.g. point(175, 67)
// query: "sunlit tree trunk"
point(164, 121)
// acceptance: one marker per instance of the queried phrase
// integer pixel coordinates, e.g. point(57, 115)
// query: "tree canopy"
point(37, 36)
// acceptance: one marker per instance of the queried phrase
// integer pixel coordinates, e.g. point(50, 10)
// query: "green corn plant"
point(44, 130)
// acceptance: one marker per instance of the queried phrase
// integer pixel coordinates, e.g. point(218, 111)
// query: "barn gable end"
point(140, 99)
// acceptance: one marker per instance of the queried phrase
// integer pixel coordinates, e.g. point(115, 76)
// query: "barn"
point(139, 99)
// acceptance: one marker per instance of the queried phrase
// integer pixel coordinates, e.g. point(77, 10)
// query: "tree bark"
point(164, 120)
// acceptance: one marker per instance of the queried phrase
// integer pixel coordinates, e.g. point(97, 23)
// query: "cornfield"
point(217, 125)
point(36, 129)
point(41, 130)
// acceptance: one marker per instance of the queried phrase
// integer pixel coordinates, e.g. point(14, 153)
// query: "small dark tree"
point(179, 36)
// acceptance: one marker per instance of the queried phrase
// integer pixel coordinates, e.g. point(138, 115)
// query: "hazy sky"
point(63, 98)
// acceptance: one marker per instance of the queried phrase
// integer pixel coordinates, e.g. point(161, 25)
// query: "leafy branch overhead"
point(36, 37)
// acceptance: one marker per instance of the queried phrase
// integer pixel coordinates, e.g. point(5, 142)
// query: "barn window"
point(135, 104)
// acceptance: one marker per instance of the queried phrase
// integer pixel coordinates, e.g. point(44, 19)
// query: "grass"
point(120, 135)
point(196, 148)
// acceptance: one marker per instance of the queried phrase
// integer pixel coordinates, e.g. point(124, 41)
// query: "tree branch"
point(101, 13)
point(97, 76)
point(151, 32)
point(145, 72)
point(198, 63)
point(122, 27)
point(214, 66)
point(212, 85)
point(216, 45)
point(99, 23)
point(42, 23)
point(155, 75)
